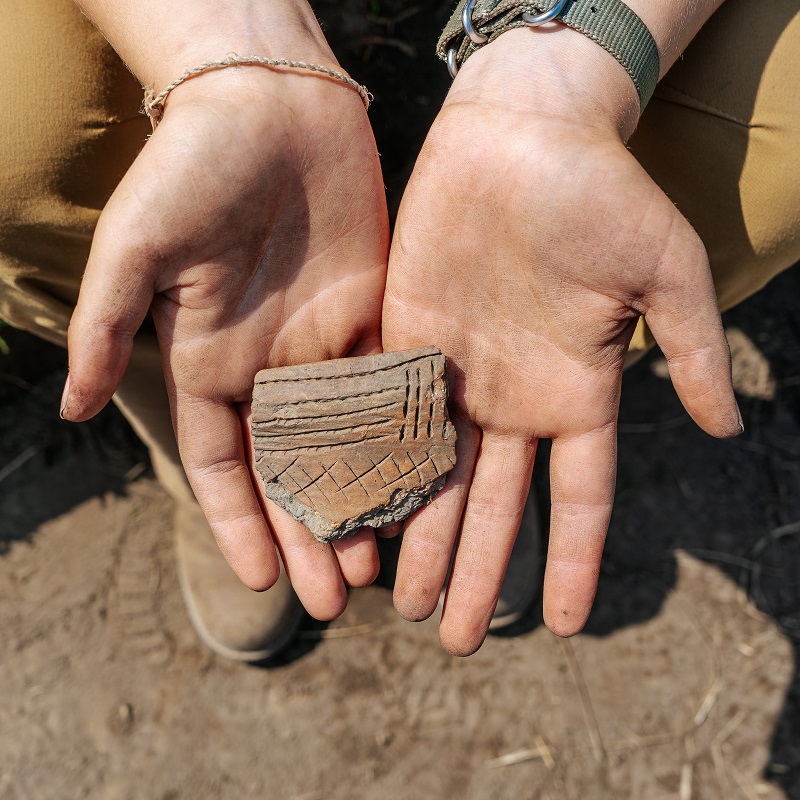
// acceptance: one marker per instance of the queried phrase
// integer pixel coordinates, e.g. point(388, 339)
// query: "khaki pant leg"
point(142, 398)
point(69, 130)
point(722, 138)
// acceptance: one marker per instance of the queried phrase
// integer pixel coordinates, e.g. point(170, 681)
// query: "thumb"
point(685, 320)
point(115, 294)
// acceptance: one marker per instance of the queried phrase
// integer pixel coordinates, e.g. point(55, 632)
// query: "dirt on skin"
point(683, 686)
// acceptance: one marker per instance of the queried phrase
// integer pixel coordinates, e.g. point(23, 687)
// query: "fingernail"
point(64, 398)
point(741, 421)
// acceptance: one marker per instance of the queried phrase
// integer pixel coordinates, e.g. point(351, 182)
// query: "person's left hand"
point(528, 244)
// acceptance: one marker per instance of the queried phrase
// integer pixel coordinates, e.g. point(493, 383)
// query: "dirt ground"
point(685, 684)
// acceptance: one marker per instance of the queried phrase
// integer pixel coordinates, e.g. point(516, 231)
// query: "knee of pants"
point(722, 138)
point(70, 129)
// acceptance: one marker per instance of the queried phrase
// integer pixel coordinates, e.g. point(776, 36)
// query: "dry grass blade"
point(338, 633)
point(723, 558)
point(640, 742)
point(721, 769)
point(755, 592)
point(720, 765)
point(687, 772)
point(709, 700)
point(714, 648)
point(730, 726)
point(15, 381)
point(517, 757)
point(744, 784)
point(26, 455)
point(586, 701)
point(134, 472)
point(544, 751)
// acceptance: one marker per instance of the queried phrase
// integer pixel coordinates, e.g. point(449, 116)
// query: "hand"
point(254, 224)
point(528, 244)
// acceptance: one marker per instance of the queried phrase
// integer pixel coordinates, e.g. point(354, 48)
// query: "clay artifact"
point(354, 441)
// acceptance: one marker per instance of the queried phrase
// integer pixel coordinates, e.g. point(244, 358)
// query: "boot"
point(523, 576)
point(231, 619)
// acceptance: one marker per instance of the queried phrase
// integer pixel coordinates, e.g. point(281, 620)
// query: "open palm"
point(260, 239)
point(526, 248)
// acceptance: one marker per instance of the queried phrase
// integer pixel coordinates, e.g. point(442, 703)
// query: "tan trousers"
point(721, 137)
point(69, 129)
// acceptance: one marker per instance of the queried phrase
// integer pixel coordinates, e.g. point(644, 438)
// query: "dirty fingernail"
point(741, 421)
point(389, 531)
point(64, 398)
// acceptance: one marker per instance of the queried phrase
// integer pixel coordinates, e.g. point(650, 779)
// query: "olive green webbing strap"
point(610, 23)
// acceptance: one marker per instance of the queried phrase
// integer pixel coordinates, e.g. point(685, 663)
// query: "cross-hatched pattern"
point(353, 441)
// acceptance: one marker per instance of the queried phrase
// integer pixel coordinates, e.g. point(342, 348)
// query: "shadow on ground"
point(735, 504)
point(48, 466)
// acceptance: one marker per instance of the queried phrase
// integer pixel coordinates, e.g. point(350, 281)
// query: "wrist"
point(159, 40)
point(551, 72)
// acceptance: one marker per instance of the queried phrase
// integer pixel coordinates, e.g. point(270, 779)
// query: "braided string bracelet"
point(154, 104)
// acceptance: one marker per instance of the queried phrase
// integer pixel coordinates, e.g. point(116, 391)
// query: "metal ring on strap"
point(469, 29)
point(534, 20)
point(612, 24)
point(452, 62)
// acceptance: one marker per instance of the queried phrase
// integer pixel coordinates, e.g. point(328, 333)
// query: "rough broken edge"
point(325, 532)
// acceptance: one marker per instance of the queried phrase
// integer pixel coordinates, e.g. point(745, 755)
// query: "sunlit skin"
point(253, 224)
point(528, 243)
point(250, 234)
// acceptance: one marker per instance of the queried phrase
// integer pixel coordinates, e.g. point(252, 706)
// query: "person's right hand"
point(254, 224)
point(528, 244)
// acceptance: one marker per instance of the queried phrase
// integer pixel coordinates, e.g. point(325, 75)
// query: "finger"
point(212, 449)
point(311, 565)
point(389, 531)
point(685, 321)
point(358, 557)
point(115, 295)
point(430, 534)
point(491, 522)
point(582, 478)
